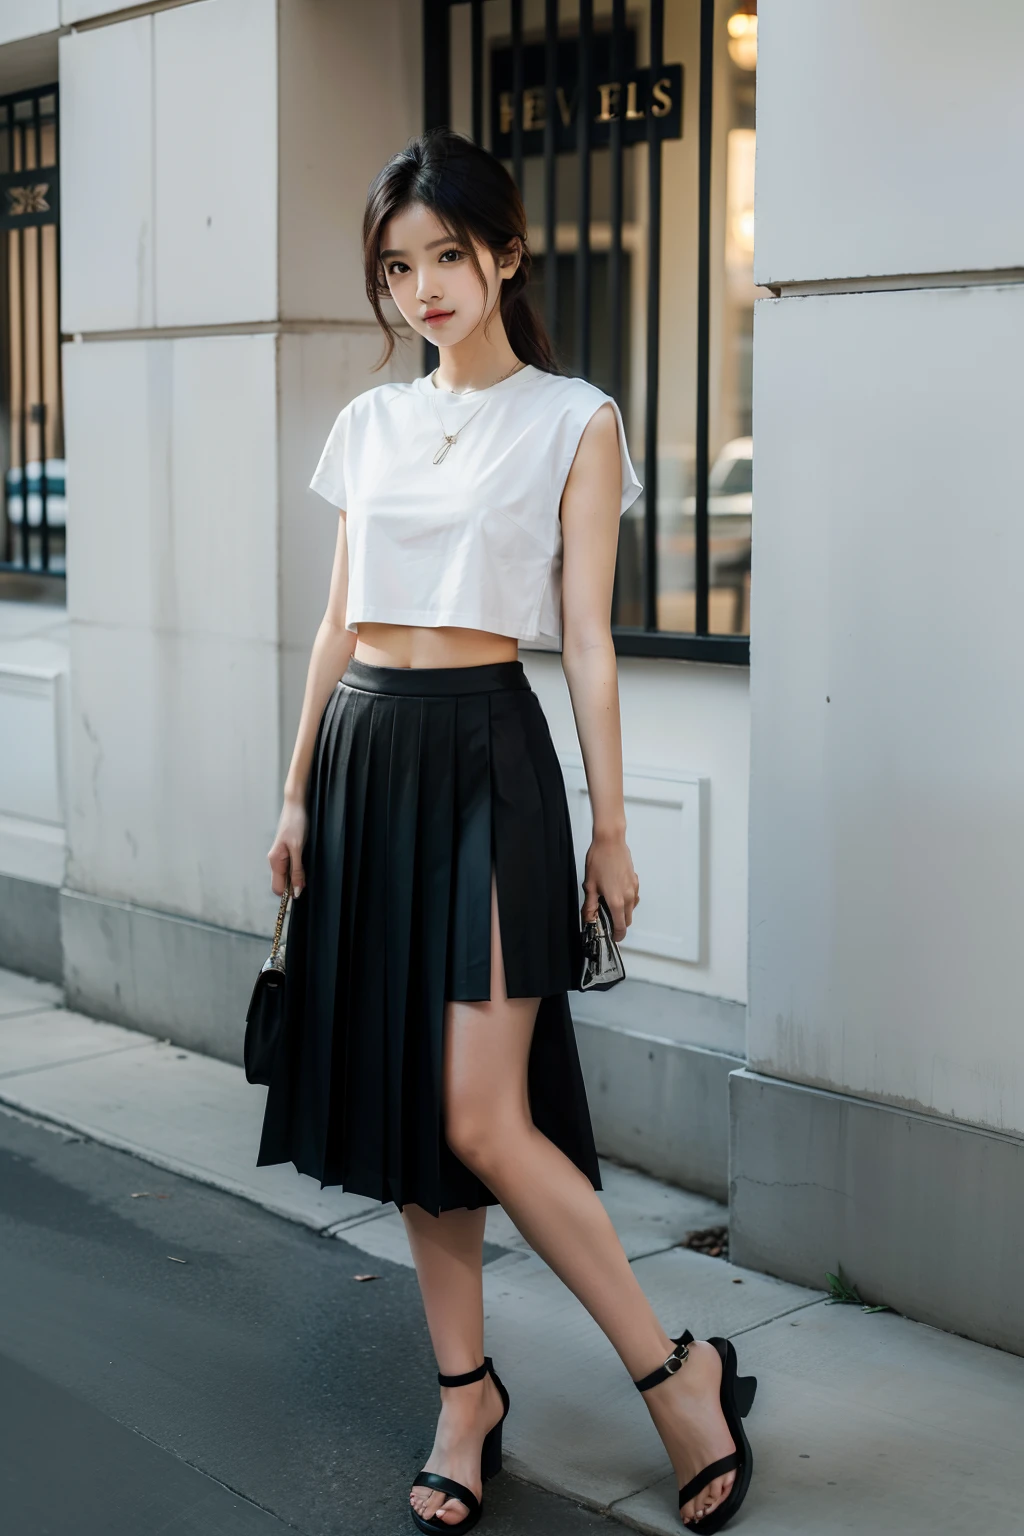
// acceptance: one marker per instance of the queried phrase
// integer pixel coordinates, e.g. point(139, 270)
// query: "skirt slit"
point(426, 785)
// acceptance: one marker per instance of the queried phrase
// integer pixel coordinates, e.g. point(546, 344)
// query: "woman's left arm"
point(590, 533)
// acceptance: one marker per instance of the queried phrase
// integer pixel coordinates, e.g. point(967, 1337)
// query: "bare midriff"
point(409, 645)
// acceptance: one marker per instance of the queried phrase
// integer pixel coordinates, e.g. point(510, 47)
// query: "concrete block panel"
point(685, 1018)
point(185, 981)
point(27, 18)
point(30, 928)
point(106, 146)
point(888, 138)
point(216, 162)
point(818, 1180)
point(887, 822)
point(223, 475)
point(175, 790)
point(172, 454)
point(117, 433)
point(659, 1106)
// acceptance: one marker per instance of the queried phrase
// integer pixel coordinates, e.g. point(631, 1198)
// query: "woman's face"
point(432, 278)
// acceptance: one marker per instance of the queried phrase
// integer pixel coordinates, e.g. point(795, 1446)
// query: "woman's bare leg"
point(448, 1253)
point(553, 1204)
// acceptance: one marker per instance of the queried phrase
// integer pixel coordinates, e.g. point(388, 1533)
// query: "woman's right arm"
point(332, 648)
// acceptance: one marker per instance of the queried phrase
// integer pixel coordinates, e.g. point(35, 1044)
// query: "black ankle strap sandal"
point(490, 1459)
point(737, 1399)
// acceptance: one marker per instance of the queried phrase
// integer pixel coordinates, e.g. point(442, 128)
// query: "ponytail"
point(524, 328)
point(476, 200)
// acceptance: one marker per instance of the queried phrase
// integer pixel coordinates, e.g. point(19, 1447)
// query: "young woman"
point(429, 1057)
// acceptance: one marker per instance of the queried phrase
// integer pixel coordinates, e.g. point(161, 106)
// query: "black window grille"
point(32, 535)
point(512, 74)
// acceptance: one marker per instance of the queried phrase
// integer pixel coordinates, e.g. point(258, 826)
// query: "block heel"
point(746, 1386)
point(490, 1459)
point(736, 1396)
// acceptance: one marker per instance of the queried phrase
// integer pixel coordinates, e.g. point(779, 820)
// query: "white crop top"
point(474, 541)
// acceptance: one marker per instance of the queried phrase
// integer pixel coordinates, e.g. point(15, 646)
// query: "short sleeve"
point(329, 478)
point(591, 401)
point(630, 487)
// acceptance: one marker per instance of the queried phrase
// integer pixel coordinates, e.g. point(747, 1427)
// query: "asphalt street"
point(178, 1362)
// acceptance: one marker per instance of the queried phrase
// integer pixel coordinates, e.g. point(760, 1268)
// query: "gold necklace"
point(450, 438)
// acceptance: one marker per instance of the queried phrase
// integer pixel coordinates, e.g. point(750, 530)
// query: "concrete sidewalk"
point(863, 1422)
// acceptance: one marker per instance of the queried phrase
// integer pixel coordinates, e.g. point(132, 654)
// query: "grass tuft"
point(842, 1292)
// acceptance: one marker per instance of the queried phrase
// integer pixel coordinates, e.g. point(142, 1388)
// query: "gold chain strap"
point(280, 924)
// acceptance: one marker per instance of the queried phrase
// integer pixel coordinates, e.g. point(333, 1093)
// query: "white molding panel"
point(665, 815)
point(32, 850)
point(32, 841)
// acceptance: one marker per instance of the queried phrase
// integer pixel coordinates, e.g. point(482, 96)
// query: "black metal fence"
point(32, 536)
point(529, 89)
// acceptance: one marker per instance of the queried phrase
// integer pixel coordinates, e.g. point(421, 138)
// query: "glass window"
point(654, 184)
point(732, 318)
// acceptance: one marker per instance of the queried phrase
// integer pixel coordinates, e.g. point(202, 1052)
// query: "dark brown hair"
point(473, 196)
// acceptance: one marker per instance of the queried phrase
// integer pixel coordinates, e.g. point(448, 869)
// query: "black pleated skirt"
point(422, 781)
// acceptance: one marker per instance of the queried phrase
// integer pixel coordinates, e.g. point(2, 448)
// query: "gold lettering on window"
point(662, 102)
point(533, 108)
point(610, 94)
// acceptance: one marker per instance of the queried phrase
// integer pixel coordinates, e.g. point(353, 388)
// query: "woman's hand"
point(610, 873)
point(285, 856)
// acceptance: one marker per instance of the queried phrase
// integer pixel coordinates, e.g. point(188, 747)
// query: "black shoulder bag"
point(264, 1021)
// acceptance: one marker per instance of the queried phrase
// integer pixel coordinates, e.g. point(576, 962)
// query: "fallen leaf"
point(366, 1277)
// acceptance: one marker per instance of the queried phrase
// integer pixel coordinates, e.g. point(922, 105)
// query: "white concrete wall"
point(198, 559)
point(887, 853)
point(173, 555)
point(27, 18)
point(177, 112)
point(678, 717)
point(887, 757)
point(888, 138)
point(172, 449)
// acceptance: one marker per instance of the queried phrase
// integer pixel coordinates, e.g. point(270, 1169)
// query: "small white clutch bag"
point(602, 963)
